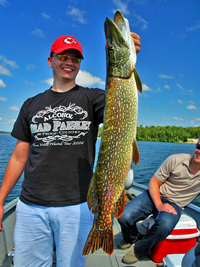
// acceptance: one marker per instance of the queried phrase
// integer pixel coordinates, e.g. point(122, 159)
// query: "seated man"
point(174, 185)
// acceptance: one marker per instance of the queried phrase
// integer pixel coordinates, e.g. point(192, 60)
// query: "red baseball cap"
point(66, 42)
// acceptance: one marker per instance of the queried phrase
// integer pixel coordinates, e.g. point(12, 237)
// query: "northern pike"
point(118, 146)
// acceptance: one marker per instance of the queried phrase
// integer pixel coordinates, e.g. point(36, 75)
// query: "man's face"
point(197, 154)
point(65, 70)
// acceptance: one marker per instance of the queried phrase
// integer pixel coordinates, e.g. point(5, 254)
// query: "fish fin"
point(138, 81)
point(119, 205)
point(100, 239)
point(136, 155)
point(92, 198)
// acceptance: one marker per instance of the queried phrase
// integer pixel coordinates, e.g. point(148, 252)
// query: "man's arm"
point(154, 190)
point(13, 172)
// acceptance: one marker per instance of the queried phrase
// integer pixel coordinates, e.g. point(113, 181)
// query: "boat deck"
point(97, 259)
point(101, 259)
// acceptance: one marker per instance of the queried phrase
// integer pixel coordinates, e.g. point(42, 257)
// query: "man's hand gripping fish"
point(118, 147)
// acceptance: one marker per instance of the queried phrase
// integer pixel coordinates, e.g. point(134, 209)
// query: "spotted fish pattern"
point(118, 147)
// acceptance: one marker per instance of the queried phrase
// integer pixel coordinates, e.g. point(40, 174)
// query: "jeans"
point(39, 229)
point(140, 208)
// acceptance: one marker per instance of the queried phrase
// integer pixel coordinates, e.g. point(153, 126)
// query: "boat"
point(99, 258)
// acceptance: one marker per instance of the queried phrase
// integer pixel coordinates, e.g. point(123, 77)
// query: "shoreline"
point(191, 141)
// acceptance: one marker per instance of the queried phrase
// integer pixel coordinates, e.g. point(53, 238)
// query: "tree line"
point(172, 134)
point(164, 133)
point(3, 132)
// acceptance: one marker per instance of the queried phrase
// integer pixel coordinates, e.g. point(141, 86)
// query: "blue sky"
point(168, 64)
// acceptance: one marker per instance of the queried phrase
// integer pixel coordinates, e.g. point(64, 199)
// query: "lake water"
point(152, 154)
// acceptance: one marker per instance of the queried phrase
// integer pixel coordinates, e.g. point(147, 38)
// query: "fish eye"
point(111, 46)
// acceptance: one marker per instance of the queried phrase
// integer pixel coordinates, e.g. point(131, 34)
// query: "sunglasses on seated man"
point(64, 57)
point(198, 146)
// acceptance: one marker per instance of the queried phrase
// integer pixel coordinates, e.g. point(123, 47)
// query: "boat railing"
point(6, 236)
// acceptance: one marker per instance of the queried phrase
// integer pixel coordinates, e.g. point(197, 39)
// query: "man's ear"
point(50, 61)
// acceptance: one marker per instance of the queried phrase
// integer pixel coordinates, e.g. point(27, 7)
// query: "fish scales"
point(106, 192)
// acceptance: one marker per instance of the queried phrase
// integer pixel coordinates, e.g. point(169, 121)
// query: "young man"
point(56, 133)
point(174, 185)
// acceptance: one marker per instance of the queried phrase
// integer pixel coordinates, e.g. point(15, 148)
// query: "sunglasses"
point(198, 146)
point(65, 57)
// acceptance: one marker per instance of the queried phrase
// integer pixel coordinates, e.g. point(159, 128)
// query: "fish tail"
point(100, 238)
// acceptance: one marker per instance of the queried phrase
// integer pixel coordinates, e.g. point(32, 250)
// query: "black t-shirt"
point(62, 130)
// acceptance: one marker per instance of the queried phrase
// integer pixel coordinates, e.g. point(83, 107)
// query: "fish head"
point(120, 48)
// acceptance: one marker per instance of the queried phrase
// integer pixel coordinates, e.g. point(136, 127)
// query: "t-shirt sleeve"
point(165, 169)
point(98, 105)
point(21, 129)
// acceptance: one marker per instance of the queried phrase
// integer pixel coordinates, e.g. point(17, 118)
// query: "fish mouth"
point(113, 32)
point(117, 33)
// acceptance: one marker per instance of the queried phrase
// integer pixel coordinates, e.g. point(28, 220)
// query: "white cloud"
point(179, 119)
point(3, 98)
point(195, 27)
point(146, 88)
point(5, 62)
point(49, 81)
point(163, 76)
point(30, 66)
point(15, 108)
point(38, 32)
point(28, 83)
point(191, 107)
point(77, 14)
point(180, 101)
point(2, 84)
point(166, 87)
point(183, 91)
point(124, 9)
point(11, 63)
point(45, 16)
point(191, 92)
point(121, 7)
point(6, 121)
point(181, 87)
point(4, 3)
point(140, 21)
point(195, 120)
point(84, 78)
point(5, 71)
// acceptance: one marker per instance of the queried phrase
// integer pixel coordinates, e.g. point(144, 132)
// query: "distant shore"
point(192, 141)
point(2, 132)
